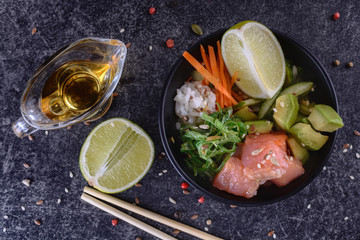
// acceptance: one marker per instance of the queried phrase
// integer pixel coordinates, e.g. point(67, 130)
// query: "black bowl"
point(324, 93)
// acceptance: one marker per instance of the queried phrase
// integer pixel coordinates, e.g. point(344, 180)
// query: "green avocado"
point(306, 110)
point(246, 114)
point(287, 108)
point(302, 118)
point(324, 118)
point(299, 152)
point(259, 126)
point(306, 135)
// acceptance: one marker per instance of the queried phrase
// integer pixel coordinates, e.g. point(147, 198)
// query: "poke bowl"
point(324, 93)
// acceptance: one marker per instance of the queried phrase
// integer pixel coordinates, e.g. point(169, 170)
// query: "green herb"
point(209, 149)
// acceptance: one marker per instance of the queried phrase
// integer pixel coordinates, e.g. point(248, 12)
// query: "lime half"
point(116, 155)
point(253, 51)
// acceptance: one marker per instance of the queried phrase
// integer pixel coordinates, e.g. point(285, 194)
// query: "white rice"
point(193, 98)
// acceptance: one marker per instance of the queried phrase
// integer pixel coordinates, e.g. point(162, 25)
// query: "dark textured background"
point(332, 195)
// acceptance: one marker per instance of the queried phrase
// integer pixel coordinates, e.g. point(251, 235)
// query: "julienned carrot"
point(215, 72)
point(222, 74)
point(206, 62)
point(188, 80)
point(236, 96)
point(233, 79)
point(208, 76)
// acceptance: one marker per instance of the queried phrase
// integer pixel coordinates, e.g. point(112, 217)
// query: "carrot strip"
point(233, 79)
point(236, 96)
point(215, 72)
point(208, 76)
point(188, 80)
point(222, 68)
point(205, 59)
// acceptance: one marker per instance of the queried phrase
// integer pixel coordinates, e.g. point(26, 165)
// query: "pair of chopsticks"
point(138, 210)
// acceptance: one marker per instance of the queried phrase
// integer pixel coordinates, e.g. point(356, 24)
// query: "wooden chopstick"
point(151, 215)
point(126, 218)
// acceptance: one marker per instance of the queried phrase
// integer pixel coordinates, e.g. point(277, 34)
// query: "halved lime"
point(116, 155)
point(253, 51)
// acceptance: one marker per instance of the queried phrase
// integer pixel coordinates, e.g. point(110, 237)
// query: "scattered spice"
point(336, 16)
point(336, 62)
point(66, 190)
point(161, 155)
point(4, 229)
point(186, 192)
point(270, 233)
point(233, 206)
point(69, 127)
point(206, 229)
point(164, 171)
point(201, 199)
point(46, 132)
point(37, 222)
point(114, 222)
point(172, 200)
point(115, 94)
point(350, 64)
point(58, 201)
point(31, 138)
point(152, 10)
point(138, 238)
point(357, 133)
point(282, 104)
point(40, 202)
point(195, 216)
point(137, 200)
point(357, 155)
point(26, 165)
point(26, 182)
point(351, 177)
point(87, 123)
point(150, 48)
point(208, 222)
point(23, 208)
point(122, 30)
point(305, 102)
point(346, 218)
point(71, 175)
point(309, 206)
point(128, 45)
point(33, 31)
point(176, 232)
point(274, 109)
point(346, 145)
point(177, 214)
point(204, 126)
point(160, 174)
point(345, 150)
point(6, 217)
point(138, 185)
point(196, 29)
point(184, 185)
point(257, 151)
point(170, 43)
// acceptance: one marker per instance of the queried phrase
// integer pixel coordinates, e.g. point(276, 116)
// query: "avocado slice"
point(247, 102)
point(246, 114)
point(302, 118)
point(324, 118)
point(289, 74)
point(305, 134)
point(259, 126)
point(299, 152)
point(306, 110)
point(287, 108)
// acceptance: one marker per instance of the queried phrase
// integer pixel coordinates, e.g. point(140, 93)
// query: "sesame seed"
point(258, 165)
point(26, 165)
point(31, 138)
point(345, 150)
point(37, 222)
point(186, 192)
point(208, 222)
point(138, 185)
point(26, 182)
point(351, 177)
point(40, 202)
point(282, 104)
point(257, 151)
point(233, 206)
point(58, 201)
point(270, 233)
point(257, 133)
point(150, 48)
point(195, 216)
point(346, 218)
point(204, 126)
point(137, 200)
point(274, 236)
point(66, 190)
point(247, 126)
point(291, 158)
point(46, 132)
point(309, 206)
point(324, 168)
point(23, 208)
point(206, 229)
point(346, 145)
point(357, 155)
point(274, 109)
point(312, 89)
point(4, 229)
point(302, 144)
point(160, 174)
point(71, 175)
point(68, 127)
point(6, 217)
point(164, 171)
point(172, 200)
point(351, 147)
point(268, 157)
point(243, 135)
point(122, 30)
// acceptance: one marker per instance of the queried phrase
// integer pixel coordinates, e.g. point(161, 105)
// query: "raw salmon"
point(261, 158)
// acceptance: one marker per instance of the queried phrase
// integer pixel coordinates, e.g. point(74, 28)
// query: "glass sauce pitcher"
point(75, 84)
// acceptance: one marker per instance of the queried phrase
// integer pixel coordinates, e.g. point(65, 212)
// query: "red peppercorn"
point(184, 185)
point(170, 43)
point(152, 10)
point(336, 16)
point(201, 200)
point(114, 222)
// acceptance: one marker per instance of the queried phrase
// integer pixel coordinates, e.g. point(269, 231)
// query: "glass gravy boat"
point(73, 85)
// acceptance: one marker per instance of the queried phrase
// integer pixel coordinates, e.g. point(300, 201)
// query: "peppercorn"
point(201, 200)
point(152, 10)
point(350, 65)
point(170, 43)
point(336, 62)
point(114, 222)
point(184, 185)
point(336, 16)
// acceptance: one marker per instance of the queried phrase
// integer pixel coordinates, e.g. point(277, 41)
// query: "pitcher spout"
point(21, 128)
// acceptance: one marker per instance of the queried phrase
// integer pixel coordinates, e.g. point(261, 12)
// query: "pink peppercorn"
point(170, 43)
point(201, 200)
point(336, 16)
point(152, 10)
point(184, 185)
point(114, 222)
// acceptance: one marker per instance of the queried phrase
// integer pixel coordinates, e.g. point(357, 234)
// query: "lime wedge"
point(253, 51)
point(116, 155)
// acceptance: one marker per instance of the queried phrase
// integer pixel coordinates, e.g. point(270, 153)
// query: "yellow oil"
point(73, 89)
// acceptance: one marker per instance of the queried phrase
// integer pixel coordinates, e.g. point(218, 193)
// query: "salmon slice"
point(233, 180)
point(264, 156)
point(293, 171)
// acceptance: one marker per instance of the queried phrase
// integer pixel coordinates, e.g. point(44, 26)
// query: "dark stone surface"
point(333, 196)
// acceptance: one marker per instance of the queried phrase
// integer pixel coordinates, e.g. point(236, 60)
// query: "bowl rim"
point(184, 175)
